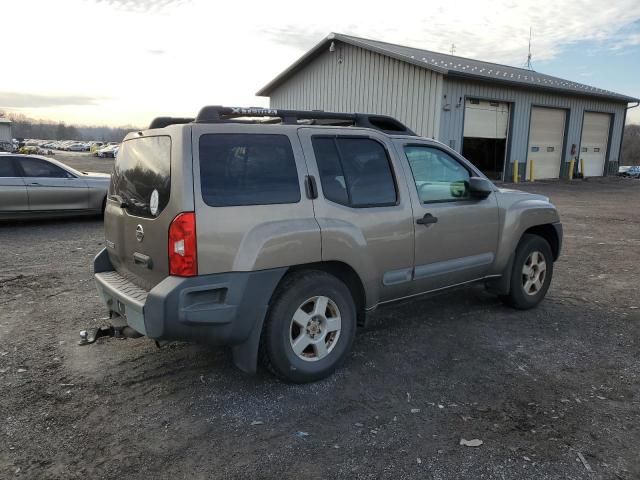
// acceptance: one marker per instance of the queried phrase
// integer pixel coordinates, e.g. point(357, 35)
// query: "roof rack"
point(161, 122)
point(219, 114)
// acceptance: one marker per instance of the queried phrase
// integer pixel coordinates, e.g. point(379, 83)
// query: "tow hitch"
point(87, 337)
point(90, 336)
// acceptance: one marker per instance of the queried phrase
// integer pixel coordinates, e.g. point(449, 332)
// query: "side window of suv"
point(247, 169)
point(438, 176)
point(355, 171)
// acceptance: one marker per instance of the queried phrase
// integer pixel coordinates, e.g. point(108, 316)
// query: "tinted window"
point(331, 174)
point(247, 169)
point(34, 167)
point(142, 167)
point(438, 176)
point(354, 171)
point(6, 167)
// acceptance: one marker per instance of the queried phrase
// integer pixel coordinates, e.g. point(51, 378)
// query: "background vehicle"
point(35, 186)
point(7, 147)
point(28, 149)
point(96, 146)
point(107, 151)
point(632, 172)
point(77, 147)
point(280, 237)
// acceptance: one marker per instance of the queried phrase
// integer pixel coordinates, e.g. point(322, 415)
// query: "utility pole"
point(529, 66)
point(453, 49)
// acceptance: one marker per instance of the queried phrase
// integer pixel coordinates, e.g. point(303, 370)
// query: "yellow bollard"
point(515, 171)
point(571, 165)
point(531, 176)
point(582, 167)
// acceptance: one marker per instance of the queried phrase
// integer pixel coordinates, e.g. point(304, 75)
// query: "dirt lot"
point(552, 393)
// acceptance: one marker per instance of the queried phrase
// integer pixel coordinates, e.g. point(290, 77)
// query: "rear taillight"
point(183, 255)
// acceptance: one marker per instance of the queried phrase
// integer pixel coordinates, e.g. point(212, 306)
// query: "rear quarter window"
point(247, 169)
point(143, 166)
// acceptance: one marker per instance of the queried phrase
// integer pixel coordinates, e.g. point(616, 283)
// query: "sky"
point(123, 62)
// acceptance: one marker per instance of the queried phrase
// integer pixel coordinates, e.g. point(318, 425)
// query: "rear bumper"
point(219, 309)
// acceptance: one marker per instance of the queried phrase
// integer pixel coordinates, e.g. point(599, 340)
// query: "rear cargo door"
point(145, 195)
point(252, 208)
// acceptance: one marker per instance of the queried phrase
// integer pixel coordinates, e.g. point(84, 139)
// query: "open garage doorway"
point(486, 128)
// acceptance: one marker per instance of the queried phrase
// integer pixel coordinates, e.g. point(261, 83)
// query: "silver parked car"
point(278, 239)
point(35, 186)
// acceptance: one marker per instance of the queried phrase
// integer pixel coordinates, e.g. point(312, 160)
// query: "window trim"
point(448, 200)
point(293, 156)
point(394, 178)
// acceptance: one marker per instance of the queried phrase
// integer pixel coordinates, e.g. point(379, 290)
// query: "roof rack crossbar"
point(220, 114)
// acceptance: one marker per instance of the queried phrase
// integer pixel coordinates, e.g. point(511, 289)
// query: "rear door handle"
point(427, 220)
point(34, 183)
point(311, 187)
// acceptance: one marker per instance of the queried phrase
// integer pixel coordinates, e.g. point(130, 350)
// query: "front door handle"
point(34, 183)
point(427, 220)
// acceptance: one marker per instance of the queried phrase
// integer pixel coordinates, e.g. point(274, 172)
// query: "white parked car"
point(76, 147)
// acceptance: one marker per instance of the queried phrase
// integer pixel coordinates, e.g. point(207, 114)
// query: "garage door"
point(593, 145)
point(485, 119)
point(546, 137)
point(486, 125)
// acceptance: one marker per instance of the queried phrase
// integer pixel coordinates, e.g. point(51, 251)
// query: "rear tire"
point(310, 327)
point(531, 274)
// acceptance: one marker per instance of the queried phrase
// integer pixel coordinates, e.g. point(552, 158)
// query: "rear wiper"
point(121, 202)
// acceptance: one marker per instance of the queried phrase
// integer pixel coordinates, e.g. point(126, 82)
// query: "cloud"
point(142, 5)
point(30, 100)
point(293, 36)
point(494, 31)
point(173, 56)
point(630, 40)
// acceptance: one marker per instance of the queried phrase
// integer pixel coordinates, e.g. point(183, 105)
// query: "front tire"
point(531, 274)
point(310, 327)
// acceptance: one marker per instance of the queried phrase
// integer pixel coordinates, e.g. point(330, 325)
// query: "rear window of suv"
point(142, 167)
point(247, 169)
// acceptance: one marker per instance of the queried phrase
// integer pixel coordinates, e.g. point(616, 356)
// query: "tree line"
point(25, 127)
point(631, 145)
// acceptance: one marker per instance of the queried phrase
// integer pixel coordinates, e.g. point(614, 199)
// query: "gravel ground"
point(552, 393)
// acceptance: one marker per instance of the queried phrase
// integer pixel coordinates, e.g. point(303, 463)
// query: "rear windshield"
point(142, 175)
point(247, 169)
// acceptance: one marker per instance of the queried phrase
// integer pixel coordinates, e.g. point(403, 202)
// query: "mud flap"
point(262, 287)
point(502, 285)
point(245, 355)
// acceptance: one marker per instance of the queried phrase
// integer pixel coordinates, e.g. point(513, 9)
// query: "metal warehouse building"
point(495, 115)
point(5, 130)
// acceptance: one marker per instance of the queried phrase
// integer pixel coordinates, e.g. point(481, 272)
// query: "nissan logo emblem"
point(139, 233)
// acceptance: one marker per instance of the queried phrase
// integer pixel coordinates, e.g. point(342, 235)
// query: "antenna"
point(453, 49)
point(529, 66)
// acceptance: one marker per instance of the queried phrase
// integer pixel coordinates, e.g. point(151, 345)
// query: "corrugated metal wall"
point(5, 132)
point(452, 120)
point(352, 79)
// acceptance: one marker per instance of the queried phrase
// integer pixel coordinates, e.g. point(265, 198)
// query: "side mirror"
point(480, 187)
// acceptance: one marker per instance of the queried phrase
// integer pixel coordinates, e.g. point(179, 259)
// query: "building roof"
point(454, 67)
